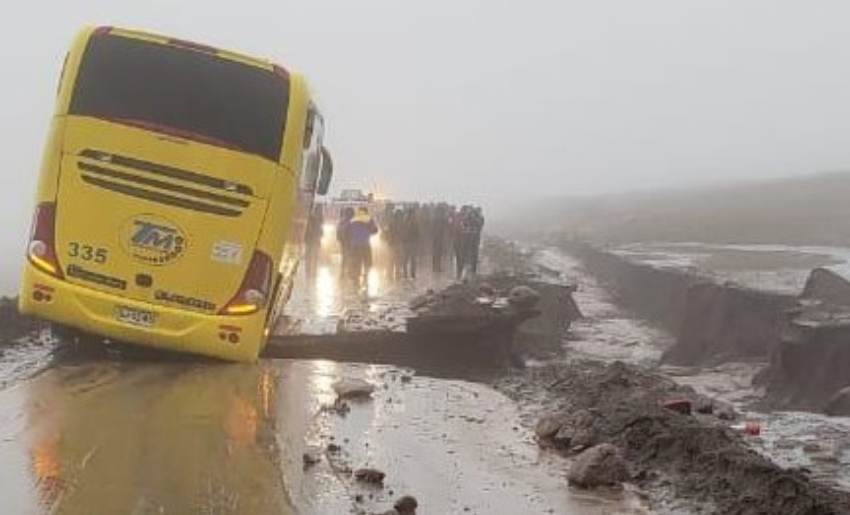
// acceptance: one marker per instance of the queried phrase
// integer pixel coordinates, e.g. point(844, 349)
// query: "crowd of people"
point(437, 234)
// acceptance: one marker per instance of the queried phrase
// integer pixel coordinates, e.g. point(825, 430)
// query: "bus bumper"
point(232, 338)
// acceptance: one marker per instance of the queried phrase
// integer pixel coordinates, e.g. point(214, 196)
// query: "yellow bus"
point(173, 194)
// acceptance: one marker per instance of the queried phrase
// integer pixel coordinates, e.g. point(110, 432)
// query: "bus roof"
point(199, 47)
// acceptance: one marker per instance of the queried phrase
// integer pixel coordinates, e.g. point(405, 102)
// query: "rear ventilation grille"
point(163, 184)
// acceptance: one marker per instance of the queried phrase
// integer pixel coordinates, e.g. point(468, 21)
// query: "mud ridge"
point(674, 455)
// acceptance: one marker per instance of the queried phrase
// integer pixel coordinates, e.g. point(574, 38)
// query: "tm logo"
point(155, 236)
point(152, 240)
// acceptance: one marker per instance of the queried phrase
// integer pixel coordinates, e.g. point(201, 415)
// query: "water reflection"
point(156, 438)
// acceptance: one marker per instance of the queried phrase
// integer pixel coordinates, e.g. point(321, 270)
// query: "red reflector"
point(40, 250)
point(256, 284)
point(42, 287)
point(182, 43)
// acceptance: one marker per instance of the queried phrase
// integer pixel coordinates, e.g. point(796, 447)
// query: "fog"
point(494, 102)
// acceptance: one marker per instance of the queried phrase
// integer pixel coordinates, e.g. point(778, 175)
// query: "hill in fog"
point(812, 210)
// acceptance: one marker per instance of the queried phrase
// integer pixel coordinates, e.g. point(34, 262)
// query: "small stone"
point(334, 448)
point(310, 458)
point(353, 388)
point(601, 465)
point(547, 427)
point(371, 476)
point(406, 505)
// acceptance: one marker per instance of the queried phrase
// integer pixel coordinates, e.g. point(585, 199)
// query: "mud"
point(161, 437)
point(814, 338)
point(697, 457)
point(139, 434)
point(713, 323)
point(723, 323)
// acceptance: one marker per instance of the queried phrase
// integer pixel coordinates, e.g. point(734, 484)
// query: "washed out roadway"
point(162, 436)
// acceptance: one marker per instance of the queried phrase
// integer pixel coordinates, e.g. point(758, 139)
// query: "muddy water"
point(118, 437)
point(791, 439)
point(139, 433)
point(779, 268)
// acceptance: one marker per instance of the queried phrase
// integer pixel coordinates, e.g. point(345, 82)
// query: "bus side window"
point(312, 158)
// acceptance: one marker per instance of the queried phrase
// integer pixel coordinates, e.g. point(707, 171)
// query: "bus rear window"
point(182, 91)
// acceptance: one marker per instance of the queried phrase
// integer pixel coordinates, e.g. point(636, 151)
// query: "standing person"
point(342, 237)
point(458, 241)
point(395, 241)
point(439, 230)
point(410, 242)
point(424, 222)
point(360, 231)
point(476, 228)
point(313, 239)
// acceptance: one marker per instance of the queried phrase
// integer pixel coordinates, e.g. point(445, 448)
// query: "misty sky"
point(491, 100)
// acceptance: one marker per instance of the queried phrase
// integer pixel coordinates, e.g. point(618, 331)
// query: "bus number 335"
point(87, 252)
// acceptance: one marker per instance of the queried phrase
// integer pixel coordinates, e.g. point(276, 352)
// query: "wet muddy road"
point(181, 438)
point(111, 435)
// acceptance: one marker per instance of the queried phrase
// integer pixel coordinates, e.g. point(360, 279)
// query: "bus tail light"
point(254, 292)
point(41, 249)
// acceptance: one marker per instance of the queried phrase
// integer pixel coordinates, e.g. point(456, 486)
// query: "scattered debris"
point(474, 306)
point(369, 475)
point(339, 407)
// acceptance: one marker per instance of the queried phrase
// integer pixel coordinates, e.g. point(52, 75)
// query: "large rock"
point(827, 286)
point(839, 404)
point(601, 465)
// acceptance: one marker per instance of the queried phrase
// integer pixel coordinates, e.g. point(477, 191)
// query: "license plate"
point(134, 316)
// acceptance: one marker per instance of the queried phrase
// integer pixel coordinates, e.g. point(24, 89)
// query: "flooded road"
point(117, 437)
point(119, 433)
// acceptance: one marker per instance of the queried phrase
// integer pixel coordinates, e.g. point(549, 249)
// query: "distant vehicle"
point(354, 196)
point(173, 195)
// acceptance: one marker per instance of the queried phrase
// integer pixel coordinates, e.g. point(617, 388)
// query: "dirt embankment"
point(725, 322)
point(712, 322)
point(674, 455)
point(804, 338)
point(655, 294)
point(809, 368)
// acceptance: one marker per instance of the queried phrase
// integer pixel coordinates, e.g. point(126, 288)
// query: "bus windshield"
point(182, 92)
